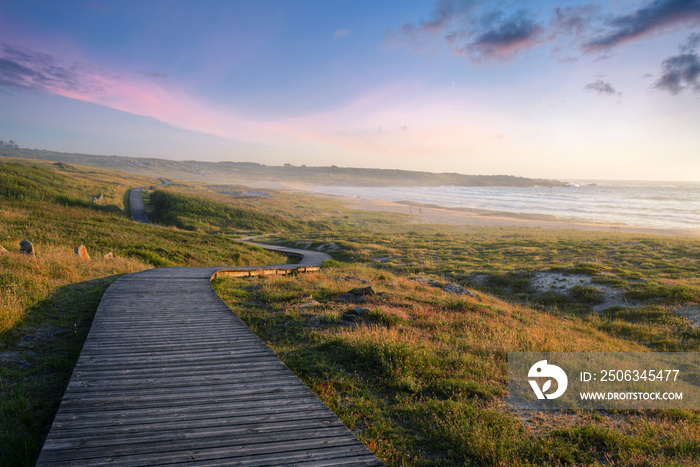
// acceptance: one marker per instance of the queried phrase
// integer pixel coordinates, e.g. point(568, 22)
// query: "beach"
point(429, 214)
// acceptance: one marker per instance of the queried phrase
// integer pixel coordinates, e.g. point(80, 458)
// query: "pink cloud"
point(24, 69)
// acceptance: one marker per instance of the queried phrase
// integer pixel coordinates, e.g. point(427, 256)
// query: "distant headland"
point(247, 172)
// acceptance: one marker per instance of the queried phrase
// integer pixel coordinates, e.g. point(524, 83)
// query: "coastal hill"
point(247, 172)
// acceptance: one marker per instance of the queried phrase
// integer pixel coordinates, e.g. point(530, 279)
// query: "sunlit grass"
point(27, 280)
point(47, 301)
point(422, 378)
point(644, 267)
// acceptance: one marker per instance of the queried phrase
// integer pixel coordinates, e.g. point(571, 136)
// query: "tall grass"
point(422, 378)
point(47, 301)
point(27, 280)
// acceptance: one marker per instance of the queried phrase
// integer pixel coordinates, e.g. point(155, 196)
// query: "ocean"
point(662, 205)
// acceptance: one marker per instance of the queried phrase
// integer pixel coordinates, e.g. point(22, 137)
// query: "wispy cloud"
point(574, 21)
point(682, 72)
point(450, 19)
point(24, 69)
point(504, 38)
point(601, 87)
point(444, 15)
point(471, 30)
point(341, 32)
point(657, 15)
point(482, 31)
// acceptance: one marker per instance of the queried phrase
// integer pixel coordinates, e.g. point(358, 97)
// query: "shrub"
point(192, 213)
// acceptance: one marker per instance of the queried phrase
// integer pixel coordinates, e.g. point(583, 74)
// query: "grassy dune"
point(47, 301)
point(421, 377)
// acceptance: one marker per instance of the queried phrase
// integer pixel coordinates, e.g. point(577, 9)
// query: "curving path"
point(136, 206)
point(138, 209)
point(168, 374)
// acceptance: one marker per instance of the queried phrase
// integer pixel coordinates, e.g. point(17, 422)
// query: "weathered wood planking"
point(168, 374)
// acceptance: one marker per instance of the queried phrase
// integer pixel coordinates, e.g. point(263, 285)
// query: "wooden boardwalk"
point(136, 206)
point(138, 210)
point(169, 375)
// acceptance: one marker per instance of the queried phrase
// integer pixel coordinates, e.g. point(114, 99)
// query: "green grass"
point(47, 301)
point(45, 348)
point(422, 379)
point(499, 260)
point(189, 213)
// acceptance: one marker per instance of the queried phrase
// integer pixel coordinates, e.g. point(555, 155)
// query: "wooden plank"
point(91, 428)
point(168, 375)
point(271, 422)
point(296, 445)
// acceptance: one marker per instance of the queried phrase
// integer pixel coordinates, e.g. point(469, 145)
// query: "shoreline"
point(431, 214)
point(472, 217)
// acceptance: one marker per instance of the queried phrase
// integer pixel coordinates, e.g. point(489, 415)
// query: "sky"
point(554, 89)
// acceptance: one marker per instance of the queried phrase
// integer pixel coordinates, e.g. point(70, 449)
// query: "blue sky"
point(560, 89)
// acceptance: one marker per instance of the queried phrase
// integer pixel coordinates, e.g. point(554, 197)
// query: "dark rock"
point(357, 295)
point(349, 298)
point(360, 310)
point(362, 291)
point(26, 247)
point(354, 314)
